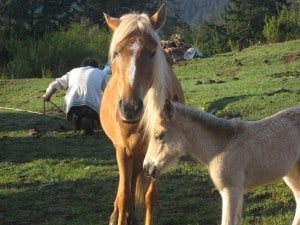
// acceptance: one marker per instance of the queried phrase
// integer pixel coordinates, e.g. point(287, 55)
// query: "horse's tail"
point(142, 184)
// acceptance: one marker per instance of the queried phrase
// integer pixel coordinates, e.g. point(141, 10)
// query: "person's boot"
point(87, 126)
point(76, 122)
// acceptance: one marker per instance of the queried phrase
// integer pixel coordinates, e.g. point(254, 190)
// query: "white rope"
point(28, 111)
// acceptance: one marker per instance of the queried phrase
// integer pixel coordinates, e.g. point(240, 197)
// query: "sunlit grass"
point(58, 177)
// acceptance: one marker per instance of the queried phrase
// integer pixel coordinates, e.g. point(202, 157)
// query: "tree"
point(24, 25)
point(285, 26)
point(210, 38)
point(244, 20)
point(33, 18)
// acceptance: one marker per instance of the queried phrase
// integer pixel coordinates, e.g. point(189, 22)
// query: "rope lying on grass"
point(28, 111)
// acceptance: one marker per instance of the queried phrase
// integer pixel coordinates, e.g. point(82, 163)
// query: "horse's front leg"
point(232, 203)
point(150, 201)
point(124, 200)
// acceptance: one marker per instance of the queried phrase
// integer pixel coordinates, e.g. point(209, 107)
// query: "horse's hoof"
point(132, 221)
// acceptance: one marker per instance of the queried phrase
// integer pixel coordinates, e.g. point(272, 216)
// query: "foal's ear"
point(158, 18)
point(168, 109)
point(112, 22)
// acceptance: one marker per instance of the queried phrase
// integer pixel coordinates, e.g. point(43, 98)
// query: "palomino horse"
point(240, 155)
point(141, 81)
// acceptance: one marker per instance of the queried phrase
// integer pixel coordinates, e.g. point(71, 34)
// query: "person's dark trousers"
point(83, 118)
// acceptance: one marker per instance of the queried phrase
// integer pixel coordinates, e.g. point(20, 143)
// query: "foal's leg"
point(124, 196)
point(232, 201)
point(292, 179)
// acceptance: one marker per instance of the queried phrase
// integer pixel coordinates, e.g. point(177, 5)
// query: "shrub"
point(57, 52)
point(210, 38)
point(284, 27)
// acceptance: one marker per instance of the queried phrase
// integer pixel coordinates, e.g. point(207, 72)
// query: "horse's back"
point(175, 89)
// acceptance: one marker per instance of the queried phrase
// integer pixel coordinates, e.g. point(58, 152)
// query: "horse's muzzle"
point(131, 112)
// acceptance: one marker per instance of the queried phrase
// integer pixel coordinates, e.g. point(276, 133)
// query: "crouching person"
point(84, 86)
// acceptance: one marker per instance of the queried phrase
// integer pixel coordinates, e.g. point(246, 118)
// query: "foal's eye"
point(152, 54)
point(159, 136)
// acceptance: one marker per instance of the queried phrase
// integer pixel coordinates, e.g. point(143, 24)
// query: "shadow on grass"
point(186, 194)
point(55, 177)
point(18, 121)
point(221, 103)
point(85, 201)
point(258, 204)
point(187, 199)
point(27, 149)
point(53, 139)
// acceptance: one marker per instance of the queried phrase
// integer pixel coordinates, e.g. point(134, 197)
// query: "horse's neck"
point(207, 134)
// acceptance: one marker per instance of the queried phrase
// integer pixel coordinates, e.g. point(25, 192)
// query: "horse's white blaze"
point(132, 70)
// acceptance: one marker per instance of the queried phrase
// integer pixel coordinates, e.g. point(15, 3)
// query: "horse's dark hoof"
point(132, 221)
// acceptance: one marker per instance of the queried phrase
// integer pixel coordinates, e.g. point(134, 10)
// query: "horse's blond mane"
point(157, 94)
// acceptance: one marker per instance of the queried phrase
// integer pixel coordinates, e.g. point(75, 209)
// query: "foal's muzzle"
point(151, 170)
point(131, 112)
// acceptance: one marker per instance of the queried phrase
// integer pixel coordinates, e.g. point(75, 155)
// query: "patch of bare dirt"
point(291, 57)
point(3, 82)
point(286, 74)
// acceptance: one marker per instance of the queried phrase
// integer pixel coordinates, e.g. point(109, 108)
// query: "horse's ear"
point(158, 18)
point(112, 22)
point(168, 109)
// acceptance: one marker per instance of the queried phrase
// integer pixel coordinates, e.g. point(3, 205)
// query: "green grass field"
point(54, 176)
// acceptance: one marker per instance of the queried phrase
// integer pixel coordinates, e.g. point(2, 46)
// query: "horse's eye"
point(115, 54)
point(152, 54)
point(159, 136)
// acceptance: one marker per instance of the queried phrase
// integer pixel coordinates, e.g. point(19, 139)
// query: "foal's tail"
point(142, 184)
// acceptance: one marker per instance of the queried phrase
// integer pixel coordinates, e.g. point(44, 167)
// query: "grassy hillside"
point(49, 175)
point(252, 84)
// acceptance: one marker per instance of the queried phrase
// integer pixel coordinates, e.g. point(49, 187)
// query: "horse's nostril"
point(138, 105)
point(131, 111)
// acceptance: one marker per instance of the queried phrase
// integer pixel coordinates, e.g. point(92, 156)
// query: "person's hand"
point(46, 97)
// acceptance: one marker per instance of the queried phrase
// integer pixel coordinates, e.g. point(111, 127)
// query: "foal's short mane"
point(207, 120)
point(156, 95)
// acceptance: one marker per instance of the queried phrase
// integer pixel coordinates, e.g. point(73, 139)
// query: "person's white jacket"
point(84, 86)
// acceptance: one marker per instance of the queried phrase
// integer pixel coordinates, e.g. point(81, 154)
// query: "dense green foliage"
point(47, 38)
point(56, 52)
point(285, 26)
point(249, 22)
point(244, 20)
point(34, 18)
point(56, 177)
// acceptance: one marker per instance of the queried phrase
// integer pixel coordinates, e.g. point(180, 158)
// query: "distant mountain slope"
point(195, 12)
